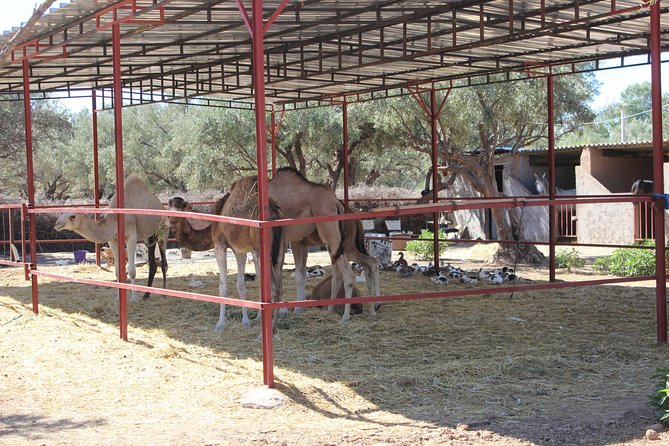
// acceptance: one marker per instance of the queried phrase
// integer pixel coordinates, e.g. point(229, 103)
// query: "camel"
point(323, 289)
point(240, 202)
point(149, 229)
point(298, 197)
point(354, 248)
point(201, 240)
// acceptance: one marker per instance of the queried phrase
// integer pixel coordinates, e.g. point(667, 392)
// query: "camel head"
point(178, 204)
point(71, 222)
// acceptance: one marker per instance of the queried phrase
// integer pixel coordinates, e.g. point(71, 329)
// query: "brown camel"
point(354, 248)
point(298, 197)
point(201, 240)
point(323, 289)
point(149, 229)
point(240, 202)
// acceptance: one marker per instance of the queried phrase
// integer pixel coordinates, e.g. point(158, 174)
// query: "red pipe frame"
point(550, 87)
point(31, 183)
point(658, 175)
point(96, 170)
point(257, 33)
point(120, 178)
point(257, 29)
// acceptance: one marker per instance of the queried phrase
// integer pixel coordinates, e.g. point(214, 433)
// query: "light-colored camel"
point(298, 197)
point(149, 229)
point(240, 202)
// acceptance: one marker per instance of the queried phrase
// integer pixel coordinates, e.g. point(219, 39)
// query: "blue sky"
point(613, 81)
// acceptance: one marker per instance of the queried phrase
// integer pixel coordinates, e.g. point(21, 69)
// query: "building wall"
point(611, 223)
point(616, 174)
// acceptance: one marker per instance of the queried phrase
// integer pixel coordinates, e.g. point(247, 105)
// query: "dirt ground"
point(558, 367)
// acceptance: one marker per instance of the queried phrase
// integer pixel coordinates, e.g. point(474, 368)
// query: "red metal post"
point(32, 231)
point(435, 173)
point(263, 190)
point(658, 175)
point(120, 197)
point(96, 170)
point(344, 108)
point(552, 239)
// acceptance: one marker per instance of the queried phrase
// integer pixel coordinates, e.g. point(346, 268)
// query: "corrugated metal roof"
point(317, 48)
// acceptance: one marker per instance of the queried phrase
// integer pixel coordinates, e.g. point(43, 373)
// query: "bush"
point(659, 400)
point(424, 249)
point(568, 259)
point(626, 262)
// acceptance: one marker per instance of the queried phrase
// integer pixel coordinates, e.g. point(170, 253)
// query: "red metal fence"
point(643, 221)
point(566, 221)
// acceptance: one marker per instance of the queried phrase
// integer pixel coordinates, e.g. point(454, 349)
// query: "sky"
point(613, 81)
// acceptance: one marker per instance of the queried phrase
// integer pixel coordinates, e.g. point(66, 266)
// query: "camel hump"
point(133, 183)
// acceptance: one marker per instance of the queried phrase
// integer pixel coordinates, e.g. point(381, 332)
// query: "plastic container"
point(80, 256)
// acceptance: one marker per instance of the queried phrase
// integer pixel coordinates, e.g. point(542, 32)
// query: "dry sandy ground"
point(569, 366)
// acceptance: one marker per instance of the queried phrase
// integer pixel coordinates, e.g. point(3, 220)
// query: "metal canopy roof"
point(319, 48)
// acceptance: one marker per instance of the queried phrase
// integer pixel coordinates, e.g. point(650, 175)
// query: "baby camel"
point(149, 229)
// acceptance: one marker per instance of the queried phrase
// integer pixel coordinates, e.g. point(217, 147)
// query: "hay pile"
point(517, 369)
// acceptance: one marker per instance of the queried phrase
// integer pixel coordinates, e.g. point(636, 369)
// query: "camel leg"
point(153, 266)
point(114, 249)
point(373, 288)
point(277, 283)
point(343, 269)
point(132, 270)
point(283, 312)
point(335, 285)
point(241, 286)
point(300, 253)
point(222, 261)
point(162, 246)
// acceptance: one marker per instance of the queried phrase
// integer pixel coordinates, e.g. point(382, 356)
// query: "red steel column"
point(120, 197)
point(263, 190)
point(551, 175)
point(345, 134)
point(435, 172)
point(658, 175)
point(32, 231)
point(96, 170)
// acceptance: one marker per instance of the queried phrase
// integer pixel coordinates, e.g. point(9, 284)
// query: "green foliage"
point(568, 259)
point(634, 106)
point(659, 400)
point(424, 249)
point(628, 262)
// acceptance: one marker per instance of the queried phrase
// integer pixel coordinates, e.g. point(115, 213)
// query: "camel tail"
point(340, 249)
point(218, 207)
point(360, 237)
point(277, 233)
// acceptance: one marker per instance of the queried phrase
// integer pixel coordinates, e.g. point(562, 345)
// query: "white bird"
point(496, 278)
point(194, 283)
point(316, 272)
point(443, 280)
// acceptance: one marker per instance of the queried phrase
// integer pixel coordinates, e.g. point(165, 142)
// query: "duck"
point(401, 262)
point(194, 283)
